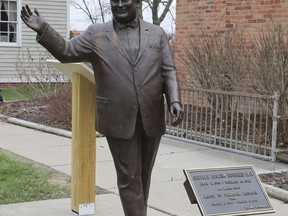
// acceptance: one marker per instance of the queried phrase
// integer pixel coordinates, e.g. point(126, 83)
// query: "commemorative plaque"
point(227, 191)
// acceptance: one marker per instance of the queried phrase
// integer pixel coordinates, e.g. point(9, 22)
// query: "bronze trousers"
point(134, 160)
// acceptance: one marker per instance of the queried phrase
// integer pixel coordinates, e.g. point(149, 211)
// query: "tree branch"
point(165, 11)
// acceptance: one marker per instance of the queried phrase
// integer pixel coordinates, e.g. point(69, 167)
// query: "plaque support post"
point(83, 146)
point(83, 136)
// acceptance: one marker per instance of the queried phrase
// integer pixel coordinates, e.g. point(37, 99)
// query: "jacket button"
point(134, 107)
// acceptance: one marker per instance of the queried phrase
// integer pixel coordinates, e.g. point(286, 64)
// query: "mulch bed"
point(279, 180)
point(36, 111)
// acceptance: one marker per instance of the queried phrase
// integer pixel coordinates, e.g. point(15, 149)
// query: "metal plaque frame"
point(235, 190)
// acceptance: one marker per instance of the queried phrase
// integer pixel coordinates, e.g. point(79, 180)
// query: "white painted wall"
point(56, 13)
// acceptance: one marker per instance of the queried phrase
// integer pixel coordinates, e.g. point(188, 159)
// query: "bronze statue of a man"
point(133, 71)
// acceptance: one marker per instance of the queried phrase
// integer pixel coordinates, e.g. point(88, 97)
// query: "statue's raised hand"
point(33, 21)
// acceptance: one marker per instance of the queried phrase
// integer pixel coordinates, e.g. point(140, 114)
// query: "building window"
point(9, 22)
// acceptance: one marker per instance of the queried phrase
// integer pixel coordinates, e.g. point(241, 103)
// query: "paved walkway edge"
point(276, 193)
point(36, 126)
point(272, 191)
point(44, 128)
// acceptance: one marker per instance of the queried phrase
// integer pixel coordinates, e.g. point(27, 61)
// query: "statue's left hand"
point(33, 21)
point(177, 113)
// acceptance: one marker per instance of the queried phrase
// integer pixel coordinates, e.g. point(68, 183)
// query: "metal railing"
point(237, 122)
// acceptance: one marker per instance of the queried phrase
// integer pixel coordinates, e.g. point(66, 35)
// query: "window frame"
point(18, 42)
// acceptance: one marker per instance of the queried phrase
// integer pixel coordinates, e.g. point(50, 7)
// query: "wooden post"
point(83, 146)
point(83, 136)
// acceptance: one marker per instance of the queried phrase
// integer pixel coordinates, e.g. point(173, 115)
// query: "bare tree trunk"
point(154, 5)
point(140, 10)
point(101, 10)
point(84, 8)
point(94, 10)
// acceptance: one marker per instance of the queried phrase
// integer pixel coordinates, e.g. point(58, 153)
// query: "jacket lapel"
point(144, 35)
point(112, 36)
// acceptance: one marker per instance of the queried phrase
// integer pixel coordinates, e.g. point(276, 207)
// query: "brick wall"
point(194, 16)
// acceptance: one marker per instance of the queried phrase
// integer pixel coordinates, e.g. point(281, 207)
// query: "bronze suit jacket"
point(123, 87)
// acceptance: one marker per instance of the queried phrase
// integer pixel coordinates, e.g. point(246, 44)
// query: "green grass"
point(20, 93)
point(24, 182)
point(28, 92)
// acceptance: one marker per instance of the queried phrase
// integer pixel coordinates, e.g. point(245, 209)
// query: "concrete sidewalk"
point(167, 194)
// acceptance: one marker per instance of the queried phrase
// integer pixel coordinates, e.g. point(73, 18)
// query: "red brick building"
point(194, 16)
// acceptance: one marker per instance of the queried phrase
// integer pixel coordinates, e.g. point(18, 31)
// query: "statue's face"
point(124, 11)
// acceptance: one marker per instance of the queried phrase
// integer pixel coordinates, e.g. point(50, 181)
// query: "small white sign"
point(86, 209)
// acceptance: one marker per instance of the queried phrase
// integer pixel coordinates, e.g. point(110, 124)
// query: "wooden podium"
point(83, 136)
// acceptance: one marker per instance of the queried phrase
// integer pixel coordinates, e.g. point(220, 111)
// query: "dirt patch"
point(279, 180)
point(36, 111)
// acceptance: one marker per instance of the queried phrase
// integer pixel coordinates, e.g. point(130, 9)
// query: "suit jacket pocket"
point(154, 49)
point(102, 100)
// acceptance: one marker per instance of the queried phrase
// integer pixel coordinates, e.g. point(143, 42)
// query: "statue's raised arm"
point(33, 21)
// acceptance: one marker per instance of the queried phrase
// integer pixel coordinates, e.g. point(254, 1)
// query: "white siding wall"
point(55, 13)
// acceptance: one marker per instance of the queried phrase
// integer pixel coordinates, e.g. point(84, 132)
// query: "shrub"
point(41, 77)
point(59, 107)
point(216, 61)
point(228, 61)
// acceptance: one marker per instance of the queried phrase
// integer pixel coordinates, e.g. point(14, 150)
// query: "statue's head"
point(124, 11)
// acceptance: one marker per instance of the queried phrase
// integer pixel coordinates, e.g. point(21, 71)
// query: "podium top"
point(69, 69)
